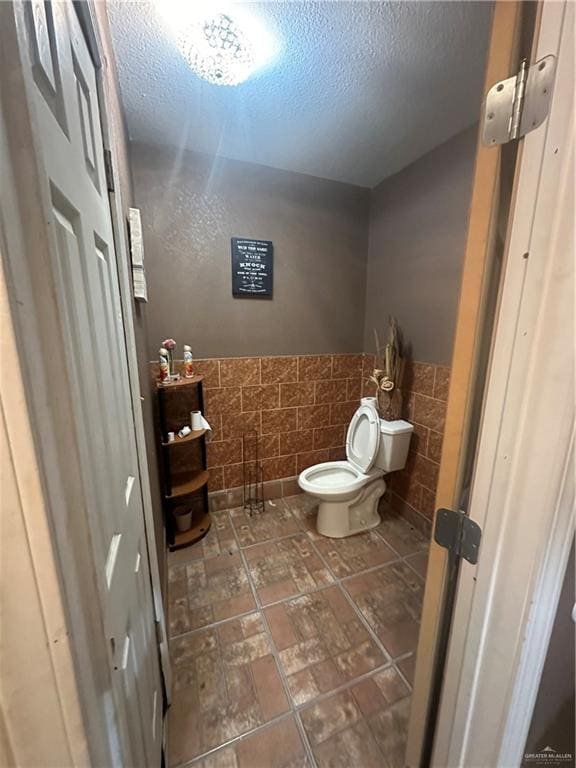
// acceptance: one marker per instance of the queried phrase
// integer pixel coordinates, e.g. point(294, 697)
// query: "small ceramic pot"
point(183, 518)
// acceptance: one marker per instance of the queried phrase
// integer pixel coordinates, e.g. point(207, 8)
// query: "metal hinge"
point(519, 104)
point(108, 170)
point(458, 534)
point(159, 633)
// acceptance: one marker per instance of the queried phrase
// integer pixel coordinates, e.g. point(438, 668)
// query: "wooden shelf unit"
point(184, 473)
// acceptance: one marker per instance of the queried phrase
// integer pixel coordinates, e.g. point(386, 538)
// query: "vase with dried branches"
point(388, 373)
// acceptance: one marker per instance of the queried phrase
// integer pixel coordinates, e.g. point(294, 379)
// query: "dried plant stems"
point(388, 371)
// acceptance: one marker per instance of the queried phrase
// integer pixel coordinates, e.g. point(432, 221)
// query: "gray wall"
point(192, 205)
point(418, 224)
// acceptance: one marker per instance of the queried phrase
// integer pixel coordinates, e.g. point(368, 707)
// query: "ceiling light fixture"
point(223, 46)
point(218, 51)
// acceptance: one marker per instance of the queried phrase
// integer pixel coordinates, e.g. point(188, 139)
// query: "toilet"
point(349, 491)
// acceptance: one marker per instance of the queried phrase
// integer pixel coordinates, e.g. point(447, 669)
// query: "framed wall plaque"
point(252, 268)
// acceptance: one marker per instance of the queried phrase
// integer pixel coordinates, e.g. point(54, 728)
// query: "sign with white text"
point(252, 268)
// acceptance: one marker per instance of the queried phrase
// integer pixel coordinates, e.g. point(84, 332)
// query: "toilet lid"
point(363, 438)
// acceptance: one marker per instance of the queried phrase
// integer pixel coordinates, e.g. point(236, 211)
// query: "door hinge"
point(108, 170)
point(159, 633)
point(458, 534)
point(519, 104)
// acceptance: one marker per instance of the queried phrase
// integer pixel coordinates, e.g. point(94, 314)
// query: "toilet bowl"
point(349, 491)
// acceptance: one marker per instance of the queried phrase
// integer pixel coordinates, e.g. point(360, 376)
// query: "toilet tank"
point(394, 443)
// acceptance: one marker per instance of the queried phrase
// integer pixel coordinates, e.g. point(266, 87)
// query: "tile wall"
point(413, 489)
point(301, 407)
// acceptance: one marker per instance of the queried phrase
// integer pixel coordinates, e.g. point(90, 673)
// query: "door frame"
point(466, 370)
point(46, 397)
point(523, 487)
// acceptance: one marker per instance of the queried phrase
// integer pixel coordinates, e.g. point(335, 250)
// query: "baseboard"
point(272, 489)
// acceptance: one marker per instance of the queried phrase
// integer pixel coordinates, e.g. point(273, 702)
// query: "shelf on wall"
point(188, 439)
point(183, 485)
point(200, 528)
point(180, 383)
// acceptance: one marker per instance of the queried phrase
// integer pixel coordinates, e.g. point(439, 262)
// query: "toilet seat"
point(363, 438)
point(343, 479)
point(334, 478)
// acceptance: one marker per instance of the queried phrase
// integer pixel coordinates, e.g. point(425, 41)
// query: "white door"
point(69, 146)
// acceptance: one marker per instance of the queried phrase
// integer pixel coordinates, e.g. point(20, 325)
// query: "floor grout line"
point(353, 605)
point(297, 709)
point(414, 571)
point(337, 581)
point(402, 675)
point(212, 625)
point(276, 656)
point(235, 740)
point(343, 687)
point(340, 583)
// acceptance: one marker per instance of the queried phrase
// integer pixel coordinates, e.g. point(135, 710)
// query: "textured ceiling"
point(357, 91)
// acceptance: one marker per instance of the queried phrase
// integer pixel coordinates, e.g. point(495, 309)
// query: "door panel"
point(69, 142)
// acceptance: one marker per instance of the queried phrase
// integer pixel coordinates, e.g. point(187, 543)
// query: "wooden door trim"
point(467, 344)
point(523, 491)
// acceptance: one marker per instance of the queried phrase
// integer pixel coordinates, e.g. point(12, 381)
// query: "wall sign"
point(252, 268)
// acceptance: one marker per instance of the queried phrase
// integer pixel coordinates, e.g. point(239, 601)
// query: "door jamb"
point(478, 268)
point(523, 490)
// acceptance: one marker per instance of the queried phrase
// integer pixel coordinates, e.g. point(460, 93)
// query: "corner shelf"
point(194, 435)
point(199, 529)
point(184, 485)
point(183, 382)
point(184, 473)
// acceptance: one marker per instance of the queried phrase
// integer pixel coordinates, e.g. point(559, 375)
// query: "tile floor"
point(290, 649)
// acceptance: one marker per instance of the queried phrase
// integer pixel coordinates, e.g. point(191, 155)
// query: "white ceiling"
point(358, 90)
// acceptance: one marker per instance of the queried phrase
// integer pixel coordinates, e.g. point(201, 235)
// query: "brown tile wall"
point(301, 407)
point(425, 392)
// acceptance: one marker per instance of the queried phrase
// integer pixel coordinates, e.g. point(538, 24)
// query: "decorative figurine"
point(170, 346)
point(188, 362)
point(164, 364)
